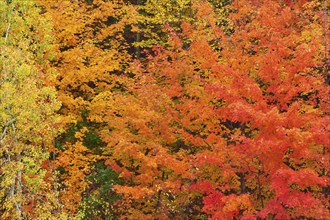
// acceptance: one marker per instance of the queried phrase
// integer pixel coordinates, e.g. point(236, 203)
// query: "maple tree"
point(240, 117)
point(92, 55)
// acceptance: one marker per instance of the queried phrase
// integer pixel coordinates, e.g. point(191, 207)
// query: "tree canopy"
point(145, 109)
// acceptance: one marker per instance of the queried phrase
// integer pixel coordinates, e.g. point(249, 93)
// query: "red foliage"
point(251, 115)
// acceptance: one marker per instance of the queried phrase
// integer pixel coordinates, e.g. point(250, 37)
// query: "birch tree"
point(27, 106)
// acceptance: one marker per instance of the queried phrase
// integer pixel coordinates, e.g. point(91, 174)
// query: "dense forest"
point(164, 109)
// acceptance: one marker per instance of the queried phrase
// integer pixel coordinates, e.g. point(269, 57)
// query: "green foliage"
point(90, 138)
point(100, 198)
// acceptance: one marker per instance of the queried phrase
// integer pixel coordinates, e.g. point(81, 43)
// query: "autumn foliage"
point(169, 110)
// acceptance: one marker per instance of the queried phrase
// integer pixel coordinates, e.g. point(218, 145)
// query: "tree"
point(92, 60)
point(28, 106)
point(269, 86)
point(156, 138)
point(236, 130)
point(153, 15)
